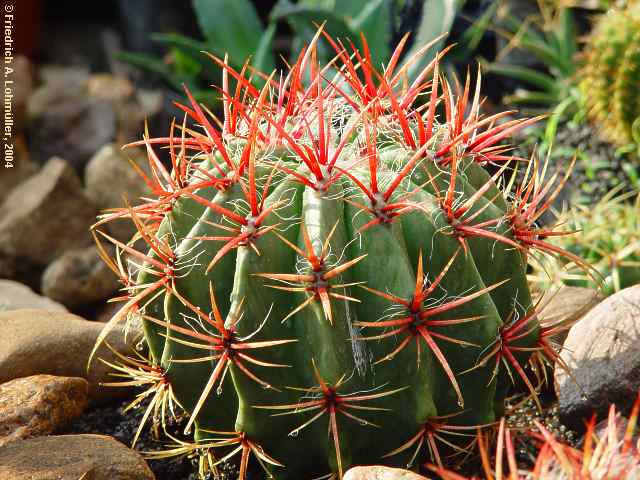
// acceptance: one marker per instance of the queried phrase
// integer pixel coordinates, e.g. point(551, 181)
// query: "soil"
point(112, 420)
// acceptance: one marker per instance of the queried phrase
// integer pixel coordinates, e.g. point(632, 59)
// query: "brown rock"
point(603, 352)
point(105, 86)
point(71, 457)
point(15, 296)
point(74, 128)
point(46, 215)
point(379, 472)
point(58, 343)
point(79, 278)
point(39, 405)
point(567, 305)
point(21, 169)
point(110, 179)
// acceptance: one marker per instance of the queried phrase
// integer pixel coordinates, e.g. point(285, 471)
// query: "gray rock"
point(46, 215)
point(57, 343)
point(22, 168)
point(79, 278)
point(602, 351)
point(72, 457)
point(16, 296)
point(110, 178)
point(59, 85)
point(39, 405)
point(105, 86)
point(379, 472)
point(74, 128)
point(566, 306)
point(69, 76)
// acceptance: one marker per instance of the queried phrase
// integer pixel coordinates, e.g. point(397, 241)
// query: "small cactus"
point(332, 256)
point(611, 75)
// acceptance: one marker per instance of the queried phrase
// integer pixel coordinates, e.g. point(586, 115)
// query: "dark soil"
point(111, 420)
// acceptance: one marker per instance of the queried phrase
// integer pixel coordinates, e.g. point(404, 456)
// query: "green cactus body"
point(611, 76)
point(354, 274)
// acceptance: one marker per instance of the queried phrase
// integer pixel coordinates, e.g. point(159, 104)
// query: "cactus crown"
point(611, 75)
point(331, 255)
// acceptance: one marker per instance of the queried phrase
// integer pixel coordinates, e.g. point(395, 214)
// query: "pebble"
point(379, 472)
point(72, 457)
point(59, 343)
point(15, 296)
point(79, 278)
point(46, 215)
point(109, 179)
point(39, 405)
point(602, 351)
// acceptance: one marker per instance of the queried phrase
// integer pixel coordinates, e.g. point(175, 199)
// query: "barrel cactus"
point(331, 276)
point(611, 76)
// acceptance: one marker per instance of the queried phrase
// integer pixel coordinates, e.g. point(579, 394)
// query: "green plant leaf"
point(157, 66)
point(229, 26)
point(473, 35)
point(372, 18)
point(195, 47)
point(525, 74)
point(567, 34)
point(263, 59)
point(302, 19)
point(185, 64)
point(437, 18)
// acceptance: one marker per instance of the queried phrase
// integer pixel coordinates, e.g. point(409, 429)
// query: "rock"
point(106, 311)
point(58, 343)
point(133, 114)
point(74, 128)
point(72, 457)
point(109, 177)
point(22, 169)
point(12, 268)
point(39, 405)
point(59, 85)
point(602, 351)
point(379, 472)
point(105, 86)
point(46, 215)
point(69, 76)
point(79, 278)
point(567, 305)
point(15, 296)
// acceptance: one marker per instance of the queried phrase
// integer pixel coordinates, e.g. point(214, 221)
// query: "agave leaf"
point(230, 26)
point(437, 18)
point(527, 75)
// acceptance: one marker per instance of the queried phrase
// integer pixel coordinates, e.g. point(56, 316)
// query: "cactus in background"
point(331, 256)
point(609, 240)
point(611, 76)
